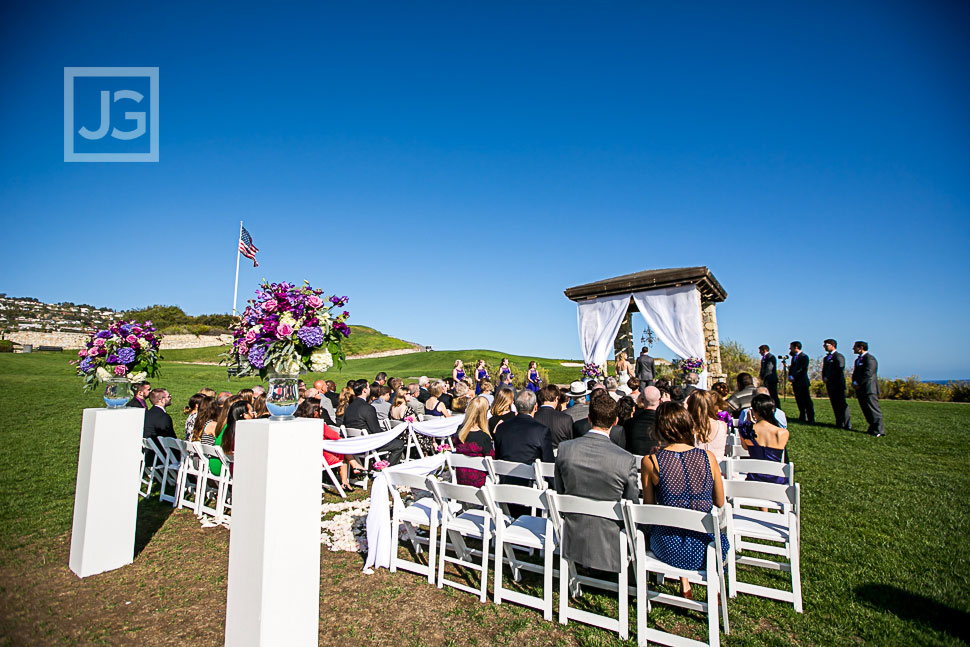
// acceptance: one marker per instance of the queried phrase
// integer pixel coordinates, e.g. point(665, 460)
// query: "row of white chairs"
point(184, 476)
point(454, 512)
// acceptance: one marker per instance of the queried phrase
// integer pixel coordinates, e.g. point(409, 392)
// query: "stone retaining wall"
point(77, 340)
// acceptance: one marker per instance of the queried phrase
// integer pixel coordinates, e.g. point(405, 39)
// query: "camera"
point(782, 357)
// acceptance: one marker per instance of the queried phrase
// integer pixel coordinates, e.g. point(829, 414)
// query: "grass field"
point(884, 560)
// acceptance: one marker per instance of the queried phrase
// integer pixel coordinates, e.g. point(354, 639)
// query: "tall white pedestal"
point(106, 498)
point(274, 544)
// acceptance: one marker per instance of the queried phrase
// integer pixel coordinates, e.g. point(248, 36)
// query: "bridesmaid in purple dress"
point(534, 383)
point(481, 374)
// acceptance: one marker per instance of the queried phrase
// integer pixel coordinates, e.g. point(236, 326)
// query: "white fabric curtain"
point(599, 323)
point(439, 427)
point(675, 315)
point(362, 444)
point(379, 517)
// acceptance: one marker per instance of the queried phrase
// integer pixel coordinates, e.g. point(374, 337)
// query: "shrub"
point(735, 359)
point(6, 346)
point(959, 391)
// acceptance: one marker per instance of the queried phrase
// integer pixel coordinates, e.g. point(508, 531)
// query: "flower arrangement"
point(691, 365)
point(443, 447)
point(380, 465)
point(288, 328)
point(592, 370)
point(125, 349)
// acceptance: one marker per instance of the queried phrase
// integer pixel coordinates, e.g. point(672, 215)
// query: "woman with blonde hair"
point(346, 397)
point(474, 439)
point(458, 373)
point(481, 375)
point(710, 433)
point(434, 406)
point(501, 409)
point(623, 368)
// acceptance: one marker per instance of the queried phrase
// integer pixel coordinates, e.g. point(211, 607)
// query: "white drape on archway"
point(675, 315)
point(599, 322)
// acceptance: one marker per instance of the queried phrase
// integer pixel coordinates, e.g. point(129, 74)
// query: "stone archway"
point(710, 290)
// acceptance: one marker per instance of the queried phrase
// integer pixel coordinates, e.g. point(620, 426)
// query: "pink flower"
point(136, 330)
point(82, 353)
point(99, 342)
point(121, 369)
point(284, 330)
point(250, 337)
point(136, 345)
point(131, 339)
point(243, 348)
point(314, 301)
point(270, 305)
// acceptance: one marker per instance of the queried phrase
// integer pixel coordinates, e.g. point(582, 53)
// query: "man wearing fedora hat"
point(580, 408)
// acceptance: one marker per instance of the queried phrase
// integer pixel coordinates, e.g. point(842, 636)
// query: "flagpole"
point(235, 289)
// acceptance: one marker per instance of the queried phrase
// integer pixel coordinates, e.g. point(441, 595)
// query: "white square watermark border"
point(70, 73)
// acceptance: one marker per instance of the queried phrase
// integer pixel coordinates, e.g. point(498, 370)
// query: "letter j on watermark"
point(110, 114)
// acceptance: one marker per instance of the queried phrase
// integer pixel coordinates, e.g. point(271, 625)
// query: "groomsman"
point(833, 374)
point(866, 384)
point(769, 373)
point(798, 376)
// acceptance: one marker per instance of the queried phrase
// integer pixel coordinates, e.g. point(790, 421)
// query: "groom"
point(644, 369)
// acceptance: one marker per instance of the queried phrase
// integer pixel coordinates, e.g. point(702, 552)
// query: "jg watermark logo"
point(110, 114)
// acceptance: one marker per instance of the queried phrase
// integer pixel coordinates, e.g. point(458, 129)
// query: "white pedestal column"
point(274, 544)
point(106, 498)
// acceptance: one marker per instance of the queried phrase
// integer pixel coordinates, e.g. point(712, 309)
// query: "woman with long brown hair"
point(710, 433)
point(346, 397)
point(501, 409)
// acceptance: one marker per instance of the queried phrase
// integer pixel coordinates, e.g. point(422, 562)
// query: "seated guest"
point(206, 414)
point(580, 427)
point(779, 414)
point(560, 425)
point(458, 405)
point(445, 398)
point(382, 403)
point(640, 437)
point(346, 397)
point(399, 408)
point(423, 393)
point(720, 408)
point(624, 409)
point(212, 393)
point(433, 406)
point(414, 401)
point(501, 411)
point(690, 384)
point(764, 439)
point(361, 415)
point(741, 399)
point(238, 410)
point(158, 424)
point(721, 389)
point(247, 395)
point(564, 400)
point(191, 411)
point(683, 476)
point(332, 394)
point(474, 440)
point(580, 408)
point(487, 390)
point(677, 395)
point(611, 386)
point(710, 433)
point(633, 385)
point(593, 467)
point(259, 406)
point(460, 390)
point(523, 439)
point(310, 408)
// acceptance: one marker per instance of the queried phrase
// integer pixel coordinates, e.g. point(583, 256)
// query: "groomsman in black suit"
point(798, 375)
point(866, 384)
point(644, 369)
point(769, 373)
point(833, 374)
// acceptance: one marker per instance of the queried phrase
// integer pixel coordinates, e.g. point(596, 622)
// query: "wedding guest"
point(768, 375)
point(617, 433)
point(247, 395)
point(142, 389)
point(158, 424)
point(833, 375)
point(361, 415)
point(332, 394)
point(445, 398)
point(474, 439)
point(434, 406)
point(459, 404)
point(205, 420)
point(382, 403)
point(481, 374)
point(414, 399)
point(533, 382)
point(259, 406)
point(779, 414)
point(329, 411)
point(239, 410)
point(458, 372)
point(501, 411)
point(310, 408)
point(765, 439)
point(683, 476)
point(301, 389)
point(212, 393)
point(423, 393)
point(560, 425)
point(381, 378)
point(690, 384)
point(624, 409)
point(595, 468)
point(192, 411)
point(710, 433)
point(741, 399)
point(866, 382)
point(395, 383)
point(522, 439)
point(800, 383)
point(258, 390)
point(611, 385)
point(640, 437)
point(564, 400)
point(634, 391)
point(623, 370)
point(399, 407)
point(722, 390)
point(346, 397)
point(579, 409)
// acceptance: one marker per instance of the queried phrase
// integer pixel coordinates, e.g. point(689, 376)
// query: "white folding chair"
point(423, 512)
point(472, 523)
point(545, 472)
point(334, 481)
point(170, 472)
point(523, 471)
point(571, 582)
point(708, 523)
point(223, 482)
point(456, 461)
point(529, 531)
point(777, 527)
point(153, 464)
point(193, 470)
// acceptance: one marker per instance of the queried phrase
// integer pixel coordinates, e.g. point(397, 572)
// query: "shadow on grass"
point(151, 517)
point(918, 608)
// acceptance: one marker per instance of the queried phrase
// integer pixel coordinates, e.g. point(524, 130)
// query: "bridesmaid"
point(504, 369)
point(458, 373)
point(534, 382)
point(481, 374)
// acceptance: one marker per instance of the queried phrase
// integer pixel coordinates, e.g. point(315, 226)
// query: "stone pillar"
point(712, 344)
point(624, 338)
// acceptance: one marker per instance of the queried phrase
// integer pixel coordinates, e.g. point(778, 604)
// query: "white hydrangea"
point(321, 360)
point(288, 318)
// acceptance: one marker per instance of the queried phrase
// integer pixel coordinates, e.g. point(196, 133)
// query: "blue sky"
point(454, 167)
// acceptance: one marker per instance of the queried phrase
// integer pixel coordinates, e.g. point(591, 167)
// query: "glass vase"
point(282, 396)
point(117, 393)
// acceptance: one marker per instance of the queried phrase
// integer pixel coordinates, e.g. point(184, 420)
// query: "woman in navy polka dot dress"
point(682, 476)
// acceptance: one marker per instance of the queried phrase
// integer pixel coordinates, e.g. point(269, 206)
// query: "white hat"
point(577, 389)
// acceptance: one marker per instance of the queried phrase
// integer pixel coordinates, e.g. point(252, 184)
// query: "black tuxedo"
point(158, 424)
point(135, 402)
point(560, 425)
point(360, 415)
point(866, 383)
point(768, 376)
point(800, 386)
point(644, 370)
point(523, 439)
point(640, 432)
point(423, 395)
point(833, 374)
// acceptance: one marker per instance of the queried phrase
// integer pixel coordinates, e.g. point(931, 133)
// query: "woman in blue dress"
point(682, 476)
point(763, 437)
point(534, 382)
point(503, 369)
point(481, 374)
point(458, 373)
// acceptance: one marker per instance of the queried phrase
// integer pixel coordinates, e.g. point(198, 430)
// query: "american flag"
point(246, 246)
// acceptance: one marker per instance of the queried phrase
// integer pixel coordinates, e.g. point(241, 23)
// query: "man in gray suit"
point(579, 410)
point(866, 383)
point(592, 466)
point(644, 369)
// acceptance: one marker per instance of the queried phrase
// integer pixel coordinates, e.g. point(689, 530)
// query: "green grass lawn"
point(884, 559)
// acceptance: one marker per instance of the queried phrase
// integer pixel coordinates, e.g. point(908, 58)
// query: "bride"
point(622, 371)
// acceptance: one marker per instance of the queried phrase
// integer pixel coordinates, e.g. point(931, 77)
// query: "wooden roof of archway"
point(701, 276)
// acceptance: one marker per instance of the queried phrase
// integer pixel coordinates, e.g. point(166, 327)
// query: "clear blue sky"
point(453, 167)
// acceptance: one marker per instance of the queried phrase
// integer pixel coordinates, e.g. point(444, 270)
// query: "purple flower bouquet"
point(592, 371)
point(125, 349)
